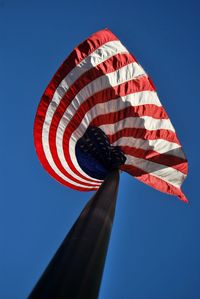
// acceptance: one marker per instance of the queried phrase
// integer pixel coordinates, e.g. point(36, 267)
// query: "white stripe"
point(58, 172)
point(147, 122)
point(110, 106)
point(134, 99)
point(142, 98)
point(98, 56)
point(101, 54)
point(167, 174)
point(124, 74)
point(161, 146)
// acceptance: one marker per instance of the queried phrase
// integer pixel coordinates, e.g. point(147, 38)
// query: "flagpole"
point(76, 270)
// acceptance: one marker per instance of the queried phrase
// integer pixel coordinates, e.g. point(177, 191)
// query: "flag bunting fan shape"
point(101, 111)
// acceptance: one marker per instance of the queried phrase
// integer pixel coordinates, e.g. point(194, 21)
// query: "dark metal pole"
point(76, 269)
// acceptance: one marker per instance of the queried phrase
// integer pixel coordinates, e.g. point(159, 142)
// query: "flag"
point(101, 90)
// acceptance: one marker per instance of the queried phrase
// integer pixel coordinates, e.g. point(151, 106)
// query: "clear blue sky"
point(154, 251)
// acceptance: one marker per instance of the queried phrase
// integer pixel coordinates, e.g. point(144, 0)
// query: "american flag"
point(101, 111)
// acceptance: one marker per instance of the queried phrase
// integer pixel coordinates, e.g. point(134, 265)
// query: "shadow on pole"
point(75, 271)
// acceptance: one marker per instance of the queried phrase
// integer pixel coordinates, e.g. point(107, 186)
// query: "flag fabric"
point(102, 87)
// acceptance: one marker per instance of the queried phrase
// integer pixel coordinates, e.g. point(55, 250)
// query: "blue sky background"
point(154, 251)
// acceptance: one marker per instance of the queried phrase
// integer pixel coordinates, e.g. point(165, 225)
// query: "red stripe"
point(40, 153)
point(131, 111)
point(177, 163)
point(153, 181)
point(77, 55)
point(118, 60)
point(113, 63)
point(144, 134)
point(111, 93)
